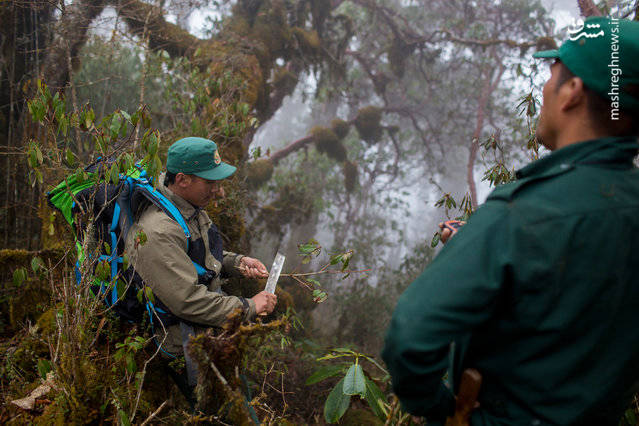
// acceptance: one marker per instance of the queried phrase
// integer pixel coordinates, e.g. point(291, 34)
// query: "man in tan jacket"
point(166, 262)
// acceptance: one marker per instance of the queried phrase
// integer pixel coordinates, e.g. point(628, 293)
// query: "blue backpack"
point(114, 208)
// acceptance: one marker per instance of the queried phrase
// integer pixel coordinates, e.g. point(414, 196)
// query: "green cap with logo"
point(199, 157)
point(604, 53)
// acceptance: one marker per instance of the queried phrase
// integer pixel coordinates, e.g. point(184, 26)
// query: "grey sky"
point(563, 11)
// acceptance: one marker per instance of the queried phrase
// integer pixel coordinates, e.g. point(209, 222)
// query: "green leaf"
point(103, 271)
point(436, 238)
point(114, 174)
point(36, 264)
point(140, 296)
point(125, 262)
point(44, 366)
point(19, 276)
point(120, 287)
point(69, 157)
point(375, 397)
point(116, 123)
point(107, 248)
point(124, 419)
point(38, 154)
point(314, 282)
point(325, 373)
point(146, 120)
point(131, 366)
point(355, 381)
point(336, 404)
point(149, 294)
point(126, 116)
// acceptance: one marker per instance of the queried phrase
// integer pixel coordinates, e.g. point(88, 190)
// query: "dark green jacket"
point(539, 291)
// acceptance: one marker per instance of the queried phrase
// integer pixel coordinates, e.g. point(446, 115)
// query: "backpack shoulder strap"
point(142, 190)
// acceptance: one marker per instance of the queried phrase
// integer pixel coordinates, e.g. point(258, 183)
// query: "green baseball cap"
point(199, 157)
point(604, 53)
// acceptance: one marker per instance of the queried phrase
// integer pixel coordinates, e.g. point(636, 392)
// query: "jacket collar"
point(188, 210)
point(611, 150)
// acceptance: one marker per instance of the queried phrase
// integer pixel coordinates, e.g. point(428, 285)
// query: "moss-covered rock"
point(368, 123)
point(328, 143)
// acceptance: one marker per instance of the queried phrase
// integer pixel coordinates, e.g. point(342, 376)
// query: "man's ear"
point(572, 94)
point(182, 180)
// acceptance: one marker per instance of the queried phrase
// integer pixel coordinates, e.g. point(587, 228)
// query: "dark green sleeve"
point(455, 294)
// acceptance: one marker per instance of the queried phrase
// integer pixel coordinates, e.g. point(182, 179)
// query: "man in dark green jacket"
point(539, 291)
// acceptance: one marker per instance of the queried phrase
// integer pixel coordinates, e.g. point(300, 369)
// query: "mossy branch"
point(145, 20)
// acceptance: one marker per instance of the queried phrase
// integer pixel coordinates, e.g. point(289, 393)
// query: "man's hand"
point(264, 302)
point(252, 268)
point(448, 231)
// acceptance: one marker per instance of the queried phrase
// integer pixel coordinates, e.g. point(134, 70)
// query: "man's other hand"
point(446, 232)
point(252, 268)
point(264, 302)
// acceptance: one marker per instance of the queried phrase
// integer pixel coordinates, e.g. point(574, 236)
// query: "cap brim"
point(547, 54)
point(222, 171)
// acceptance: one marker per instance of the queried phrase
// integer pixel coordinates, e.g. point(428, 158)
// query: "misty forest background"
point(356, 126)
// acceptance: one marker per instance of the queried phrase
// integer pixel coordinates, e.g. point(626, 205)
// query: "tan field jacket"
point(162, 262)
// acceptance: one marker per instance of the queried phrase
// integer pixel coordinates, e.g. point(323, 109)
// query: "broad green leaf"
point(44, 366)
point(149, 294)
point(120, 287)
point(114, 174)
point(19, 276)
point(375, 397)
point(355, 381)
point(70, 157)
point(36, 264)
point(124, 419)
point(103, 271)
point(325, 372)
point(131, 366)
point(336, 404)
point(435, 239)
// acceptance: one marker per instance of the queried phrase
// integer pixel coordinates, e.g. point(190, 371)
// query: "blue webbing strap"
point(150, 309)
point(162, 202)
point(114, 247)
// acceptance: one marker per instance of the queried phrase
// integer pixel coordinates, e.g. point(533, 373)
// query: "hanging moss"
point(284, 80)
point(398, 53)
point(259, 171)
point(546, 43)
point(350, 175)
point(368, 123)
point(308, 41)
point(328, 143)
point(340, 128)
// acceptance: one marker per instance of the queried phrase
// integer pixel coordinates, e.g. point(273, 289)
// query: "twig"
point(219, 375)
point(155, 413)
point(327, 271)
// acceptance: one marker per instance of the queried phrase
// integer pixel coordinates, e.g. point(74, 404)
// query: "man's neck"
point(576, 131)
